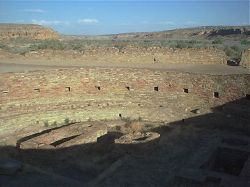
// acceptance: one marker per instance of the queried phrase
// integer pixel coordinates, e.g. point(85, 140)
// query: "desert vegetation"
point(232, 48)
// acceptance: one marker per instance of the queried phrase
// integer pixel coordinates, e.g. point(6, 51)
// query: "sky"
point(110, 17)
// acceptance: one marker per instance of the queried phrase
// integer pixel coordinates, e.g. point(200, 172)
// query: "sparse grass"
point(66, 121)
point(135, 126)
point(50, 44)
point(120, 46)
point(233, 48)
point(217, 41)
point(181, 45)
point(139, 118)
point(127, 119)
point(46, 123)
point(233, 52)
point(245, 42)
point(54, 124)
point(81, 45)
point(4, 46)
point(118, 128)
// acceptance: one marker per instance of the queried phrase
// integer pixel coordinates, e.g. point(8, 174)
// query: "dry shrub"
point(135, 126)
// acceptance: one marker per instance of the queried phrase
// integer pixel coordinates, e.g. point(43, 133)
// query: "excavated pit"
point(227, 160)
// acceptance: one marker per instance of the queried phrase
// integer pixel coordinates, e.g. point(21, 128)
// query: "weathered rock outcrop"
point(30, 31)
point(188, 33)
point(228, 31)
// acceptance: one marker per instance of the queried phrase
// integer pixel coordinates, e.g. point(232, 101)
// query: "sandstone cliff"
point(206, 32)
point(30, 31)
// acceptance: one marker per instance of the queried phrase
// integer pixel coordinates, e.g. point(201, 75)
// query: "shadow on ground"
point(180, 157)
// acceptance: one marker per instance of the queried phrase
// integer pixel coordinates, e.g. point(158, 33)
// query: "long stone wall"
point(100, 93)
point(134, 55)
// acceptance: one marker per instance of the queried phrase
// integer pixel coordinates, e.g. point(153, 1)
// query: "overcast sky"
point(107, 17)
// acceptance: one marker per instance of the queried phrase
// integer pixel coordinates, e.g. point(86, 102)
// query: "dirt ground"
point(24, 66)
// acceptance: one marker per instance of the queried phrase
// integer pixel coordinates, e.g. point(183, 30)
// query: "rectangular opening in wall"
point(216, 95)
point(248, 96)
point(37, 89)
point(185, 90)
point(67, 88)
point(127, 87)
point(5, 91)
point(98, 87)
point(156, 88)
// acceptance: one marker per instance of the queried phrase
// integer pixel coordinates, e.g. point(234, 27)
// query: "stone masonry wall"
point(99, 93)
point(67, 82)
point(134, 55)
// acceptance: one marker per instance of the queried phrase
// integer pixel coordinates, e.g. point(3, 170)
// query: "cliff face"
point(206, 32)
point(30, 31)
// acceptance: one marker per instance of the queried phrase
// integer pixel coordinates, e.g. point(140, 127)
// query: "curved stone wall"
point(82, 94)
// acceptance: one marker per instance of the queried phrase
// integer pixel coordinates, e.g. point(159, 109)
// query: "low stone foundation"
point(65, 136)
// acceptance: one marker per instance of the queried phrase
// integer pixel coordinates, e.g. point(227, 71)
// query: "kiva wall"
point(100, 93)
point(75, 81)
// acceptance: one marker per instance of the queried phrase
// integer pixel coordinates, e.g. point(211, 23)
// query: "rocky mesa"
point(30, 31)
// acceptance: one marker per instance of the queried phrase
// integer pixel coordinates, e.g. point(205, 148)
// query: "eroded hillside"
point(205, 32)
point(29, 31)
